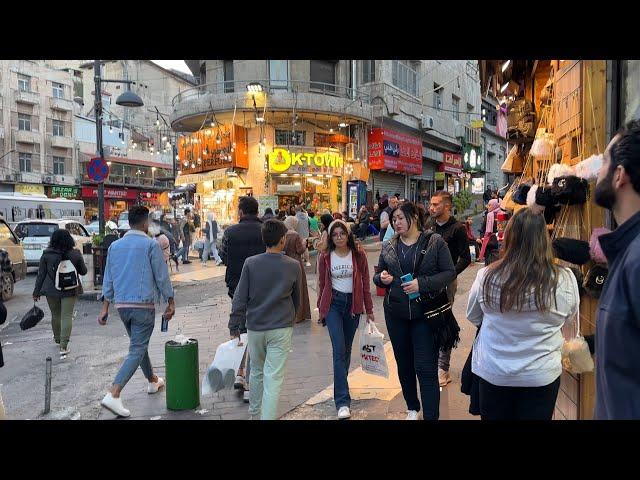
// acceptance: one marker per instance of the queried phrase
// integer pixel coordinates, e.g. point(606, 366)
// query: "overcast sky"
point(176, 64)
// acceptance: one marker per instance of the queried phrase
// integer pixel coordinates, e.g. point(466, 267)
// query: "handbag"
point(571, 250)
point(32, 317)
point(437, 310)
point(595, 279)
point(520, 194)
point(569, 190)
point(576, 356)
point(595, 250)
point(507, 203)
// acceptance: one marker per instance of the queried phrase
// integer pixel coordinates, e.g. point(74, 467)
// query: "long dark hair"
point(526, 266)
point(351, 241)
point(62, 240)
point(411, 212)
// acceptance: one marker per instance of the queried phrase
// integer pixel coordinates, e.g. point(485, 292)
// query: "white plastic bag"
point(576, 357)
point(222, 372)
point(372, 356)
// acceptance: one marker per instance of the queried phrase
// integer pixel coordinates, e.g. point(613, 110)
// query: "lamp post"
point(127, 99)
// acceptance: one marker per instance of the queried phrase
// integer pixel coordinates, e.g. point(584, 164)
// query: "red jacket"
point(361, 302)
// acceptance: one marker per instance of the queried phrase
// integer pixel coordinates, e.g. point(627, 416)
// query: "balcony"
point(61, 142)
point(61, 104)
point(191, 106)
point(26, 136)
point(30, 97)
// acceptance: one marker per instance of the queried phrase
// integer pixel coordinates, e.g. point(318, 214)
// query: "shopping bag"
point(226, 362)
point(31, 318)
point(372, 356)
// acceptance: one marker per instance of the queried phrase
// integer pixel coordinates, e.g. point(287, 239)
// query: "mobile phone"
point(164, 326)
point(407, 278)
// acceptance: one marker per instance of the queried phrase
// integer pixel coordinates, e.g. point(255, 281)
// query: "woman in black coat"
point(61, 302)
point(413, 337)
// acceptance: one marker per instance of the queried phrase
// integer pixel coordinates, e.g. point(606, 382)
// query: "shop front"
point(300, 175)
point(116, 201)
point(473, 166)
point(29, 189)
point(392, 157)
point(449, 176)
point(59, 191)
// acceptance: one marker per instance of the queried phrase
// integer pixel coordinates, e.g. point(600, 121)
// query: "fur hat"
point(571, 250)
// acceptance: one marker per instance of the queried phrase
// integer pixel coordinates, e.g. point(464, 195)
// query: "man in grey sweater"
point(269, 292)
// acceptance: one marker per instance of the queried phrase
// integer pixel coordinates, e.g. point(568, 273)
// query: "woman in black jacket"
point(413, 338)
point(61, 302)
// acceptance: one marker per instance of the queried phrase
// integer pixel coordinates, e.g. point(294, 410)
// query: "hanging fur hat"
point(569, 190)
point(589, 168)
point(558, 170)
point(571, 250)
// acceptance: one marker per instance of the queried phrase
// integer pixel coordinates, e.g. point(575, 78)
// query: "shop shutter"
point(388, 183)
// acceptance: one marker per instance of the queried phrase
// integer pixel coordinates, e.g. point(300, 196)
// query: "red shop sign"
point(149, 196)
point(390, 150)
point(117, 193)
point(452, 163)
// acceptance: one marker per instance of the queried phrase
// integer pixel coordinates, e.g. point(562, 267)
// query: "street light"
point(127, 99)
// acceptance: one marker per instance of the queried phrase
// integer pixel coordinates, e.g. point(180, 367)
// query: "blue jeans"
point(210, 249)
point(184, 251)
point(416, 353)
point(342, 328)
point(139, 323)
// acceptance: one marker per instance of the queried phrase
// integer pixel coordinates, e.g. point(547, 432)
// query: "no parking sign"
point(98, 170)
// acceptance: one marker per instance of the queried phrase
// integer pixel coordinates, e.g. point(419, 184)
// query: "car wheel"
point(7, 286)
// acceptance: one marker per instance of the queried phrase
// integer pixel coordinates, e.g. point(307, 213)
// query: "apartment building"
point(36, 128)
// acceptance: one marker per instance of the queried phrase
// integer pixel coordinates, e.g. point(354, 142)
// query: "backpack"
point(196, 220)
point(66, 275)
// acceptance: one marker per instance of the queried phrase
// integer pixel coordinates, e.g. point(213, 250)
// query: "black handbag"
point(437, 310)
point(520, 194)
point(595, 279)
point(31, 318)
point(570, 190)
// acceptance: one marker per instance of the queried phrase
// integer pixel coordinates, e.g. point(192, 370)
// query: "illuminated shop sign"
point(282, 160)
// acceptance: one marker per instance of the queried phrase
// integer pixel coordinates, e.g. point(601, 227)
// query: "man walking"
point(187, 228)
point(135, 276)
point(240, 242)
point(210, 233)
point(454, 234)
point(266, 300)
point(385, 216)
point(617, 339)
point(303, 231)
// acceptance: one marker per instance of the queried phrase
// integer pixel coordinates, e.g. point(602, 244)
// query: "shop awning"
point(184, 179)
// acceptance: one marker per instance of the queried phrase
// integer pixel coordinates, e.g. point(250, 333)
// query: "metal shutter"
point(388, 183)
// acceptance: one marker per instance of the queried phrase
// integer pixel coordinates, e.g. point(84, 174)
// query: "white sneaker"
point(114, 405)
point(155, 386)
point(218, 263)
point(344, 413)
point(412, 415)
point(443, 377)
point(245, 396)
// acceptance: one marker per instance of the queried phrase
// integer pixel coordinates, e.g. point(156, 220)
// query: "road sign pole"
point(98, 113)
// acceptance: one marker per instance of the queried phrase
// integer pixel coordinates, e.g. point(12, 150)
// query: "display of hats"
point(571, 250)
point(550, 213)
point(558, 170)
point(544, 197)
point(520, 194)
point(569, 190)
point(589, 168)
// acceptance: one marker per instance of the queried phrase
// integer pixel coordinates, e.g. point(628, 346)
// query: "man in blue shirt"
point(617, 336)
point(136, 277)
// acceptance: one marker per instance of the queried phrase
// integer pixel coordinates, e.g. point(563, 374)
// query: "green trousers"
point(61, 318)
point(268, 356)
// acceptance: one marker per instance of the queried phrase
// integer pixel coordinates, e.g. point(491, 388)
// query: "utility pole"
point(100, 151)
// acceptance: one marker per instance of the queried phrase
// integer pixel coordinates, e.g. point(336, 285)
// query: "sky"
point(176, 64)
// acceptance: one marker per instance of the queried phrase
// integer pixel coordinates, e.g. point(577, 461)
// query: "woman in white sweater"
point(521, 302)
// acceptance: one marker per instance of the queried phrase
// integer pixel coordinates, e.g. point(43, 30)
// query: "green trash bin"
point(183, 375)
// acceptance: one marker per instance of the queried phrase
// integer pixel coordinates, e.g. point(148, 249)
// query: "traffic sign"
point(98, 170)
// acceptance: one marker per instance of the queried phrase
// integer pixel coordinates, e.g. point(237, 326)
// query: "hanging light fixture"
point(218, 139)
point(505, 65)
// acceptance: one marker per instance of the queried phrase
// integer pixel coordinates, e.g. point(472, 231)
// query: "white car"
point(35, 236)
point(123, 221)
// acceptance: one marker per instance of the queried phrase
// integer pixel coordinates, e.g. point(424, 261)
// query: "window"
point(24, 122)
point(228, 76)
point(58, 165)
point(25, 162)
point(323, 75)
point(58, 90)
point(437, 96)
point(489, 114)
point(58, 128)
point(455, 106)
point(287, 137)
point(278, 73)
point(470, 111)
point(405, 76)
point(24, 83)
point(368, 71)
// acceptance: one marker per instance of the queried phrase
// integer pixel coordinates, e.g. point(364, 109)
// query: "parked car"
point(10, 243)
point(123, 221)
point(35, 236)
point(93, 228)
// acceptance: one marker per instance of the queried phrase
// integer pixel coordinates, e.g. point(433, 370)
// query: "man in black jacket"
point(455, 235)
point(240, 242)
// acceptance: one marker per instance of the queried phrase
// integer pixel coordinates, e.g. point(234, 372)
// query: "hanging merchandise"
point(514, 162)
point(521, 120)
point(543, 146)
point(569, 190)
point(501, 122)
point(595, 249)
point(589, 168)
point(520, 193)
point(595, 279)
point(571, 250)
point(544, 197)
point(558, 170)
point(576, 357)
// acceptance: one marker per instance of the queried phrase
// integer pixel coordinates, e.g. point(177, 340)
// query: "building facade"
point(494, 147)
point(36, 130)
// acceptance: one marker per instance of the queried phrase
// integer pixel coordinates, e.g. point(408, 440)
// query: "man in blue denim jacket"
point(136, 277)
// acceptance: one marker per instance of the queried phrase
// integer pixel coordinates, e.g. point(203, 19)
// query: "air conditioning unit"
point(17, 177)
point(427, 123)
point(8, 177)
point(77, 181)
point(47, 178)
